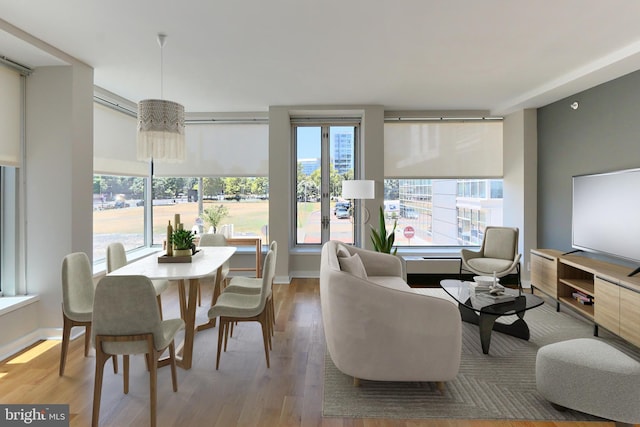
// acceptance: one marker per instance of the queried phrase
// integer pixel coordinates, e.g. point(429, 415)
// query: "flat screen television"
point(606, 214)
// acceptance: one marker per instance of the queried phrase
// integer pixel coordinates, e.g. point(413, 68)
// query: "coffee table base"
point(487, 323)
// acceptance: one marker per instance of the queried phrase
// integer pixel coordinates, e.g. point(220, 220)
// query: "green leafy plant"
point(182, 239)
point(383, 242)
point(214, 215)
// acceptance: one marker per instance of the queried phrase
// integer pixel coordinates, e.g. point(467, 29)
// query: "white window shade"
point(114, 143)
point(222, 150)
point(10, 117)
point(443, 150)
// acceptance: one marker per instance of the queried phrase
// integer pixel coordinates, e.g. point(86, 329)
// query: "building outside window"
point(442, 212)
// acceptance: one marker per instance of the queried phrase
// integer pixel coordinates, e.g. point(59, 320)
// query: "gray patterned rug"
point(500, 385)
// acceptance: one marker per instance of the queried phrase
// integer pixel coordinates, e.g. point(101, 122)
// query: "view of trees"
point(167, 188)
point(308, 189)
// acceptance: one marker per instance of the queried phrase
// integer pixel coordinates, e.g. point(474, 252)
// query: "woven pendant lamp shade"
point(161, 131)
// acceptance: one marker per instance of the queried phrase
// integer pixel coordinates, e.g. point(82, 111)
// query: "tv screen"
point(606, 213)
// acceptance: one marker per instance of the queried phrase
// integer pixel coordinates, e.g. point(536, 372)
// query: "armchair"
point(498, 253)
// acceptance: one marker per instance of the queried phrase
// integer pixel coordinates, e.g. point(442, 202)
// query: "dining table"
point(206, 262)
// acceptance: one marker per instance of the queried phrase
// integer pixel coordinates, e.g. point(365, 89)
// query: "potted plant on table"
point(182, 241)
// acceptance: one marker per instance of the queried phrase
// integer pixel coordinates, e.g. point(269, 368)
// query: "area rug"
point(500, 385)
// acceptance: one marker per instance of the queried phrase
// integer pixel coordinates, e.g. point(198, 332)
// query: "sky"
point(309, 139)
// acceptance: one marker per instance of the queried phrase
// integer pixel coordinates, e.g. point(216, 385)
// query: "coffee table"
point(482, 309)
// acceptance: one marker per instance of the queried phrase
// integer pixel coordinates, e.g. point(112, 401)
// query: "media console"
point(614, 295)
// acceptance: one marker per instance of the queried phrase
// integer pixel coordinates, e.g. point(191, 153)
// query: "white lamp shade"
point(358, 189)
point(160, 131)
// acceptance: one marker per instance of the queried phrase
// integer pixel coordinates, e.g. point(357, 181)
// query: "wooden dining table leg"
point(217, 290)
point(184, 350)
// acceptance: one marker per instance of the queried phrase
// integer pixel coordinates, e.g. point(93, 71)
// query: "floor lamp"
point(359, 189)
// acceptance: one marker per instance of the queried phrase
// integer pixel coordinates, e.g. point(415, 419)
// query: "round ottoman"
point(590, 376)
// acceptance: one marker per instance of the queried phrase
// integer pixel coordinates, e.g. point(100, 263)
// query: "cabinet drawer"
point(629, 315)
point(544, 274)
point(607, 304)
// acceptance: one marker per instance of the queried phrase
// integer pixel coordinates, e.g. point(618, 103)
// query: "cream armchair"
point(378, 328)
point(498, 253)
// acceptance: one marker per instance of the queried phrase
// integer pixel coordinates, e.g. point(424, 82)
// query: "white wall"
point(520, 180)
point(58, 188)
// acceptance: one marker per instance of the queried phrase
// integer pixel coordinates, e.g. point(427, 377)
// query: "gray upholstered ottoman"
point(590, 376)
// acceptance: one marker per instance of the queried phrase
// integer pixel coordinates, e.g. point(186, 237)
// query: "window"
point(118, 213)
point(427, 187)
point(227, 159)
point(442, 212)
point(325, 156)
point(240, 203)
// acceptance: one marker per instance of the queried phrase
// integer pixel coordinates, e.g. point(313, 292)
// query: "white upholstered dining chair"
point(126, 321)
point(117, 257)
point(214, 239)
point(233, 307)
point(253, 285)
point(77, 302)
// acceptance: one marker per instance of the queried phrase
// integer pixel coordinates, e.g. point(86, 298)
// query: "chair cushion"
point(489, 265)
point(392, 282)
point(353, 265)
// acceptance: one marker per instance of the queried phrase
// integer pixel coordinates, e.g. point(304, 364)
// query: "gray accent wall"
point(602, 135)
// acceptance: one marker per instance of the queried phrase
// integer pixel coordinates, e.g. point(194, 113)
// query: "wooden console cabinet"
point(616, 297)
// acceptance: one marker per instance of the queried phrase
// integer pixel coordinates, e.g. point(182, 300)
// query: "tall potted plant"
point(383, 242)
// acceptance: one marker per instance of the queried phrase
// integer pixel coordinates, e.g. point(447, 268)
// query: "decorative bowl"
point(485, 280)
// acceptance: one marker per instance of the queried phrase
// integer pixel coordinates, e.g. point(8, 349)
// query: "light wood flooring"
point(243, 392)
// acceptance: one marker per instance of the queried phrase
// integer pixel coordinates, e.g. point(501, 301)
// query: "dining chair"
point(126, 321)
point(77, 302)
point(252, 285)
point(233, 307)
point(117, 257)
point(214, 239)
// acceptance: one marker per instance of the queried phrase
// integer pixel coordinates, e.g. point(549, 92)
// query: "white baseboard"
point(23, 342)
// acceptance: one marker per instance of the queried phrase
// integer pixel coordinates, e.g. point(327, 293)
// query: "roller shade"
point(224, 149)
point(10, 116)
point(114, 143)
point(443, 150)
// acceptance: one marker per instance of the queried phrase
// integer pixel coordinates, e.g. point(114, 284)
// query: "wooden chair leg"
point(153, 388)
point(64, 348)
point(199, 295)
point(266, 337)
point(174, 374)
point(87, 339)
point(125, 374)
point(440, 386)
point(221, 328)
point(101, 358)
point(115, 363)
point(227, 326)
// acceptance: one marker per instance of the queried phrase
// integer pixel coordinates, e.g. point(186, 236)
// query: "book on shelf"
point(582, 298)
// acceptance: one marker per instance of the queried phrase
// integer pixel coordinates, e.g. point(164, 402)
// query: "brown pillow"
point(353, 265)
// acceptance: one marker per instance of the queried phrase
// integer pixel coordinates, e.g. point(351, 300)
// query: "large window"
point(325, 156)
point(118, 213)
point(239, 204)
point(226, 169)
point(428, 190)
point(442, 212)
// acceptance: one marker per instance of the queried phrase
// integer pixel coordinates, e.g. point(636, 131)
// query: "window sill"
point(9, 304)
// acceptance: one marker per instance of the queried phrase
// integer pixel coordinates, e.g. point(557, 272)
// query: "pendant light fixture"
point(161, 125)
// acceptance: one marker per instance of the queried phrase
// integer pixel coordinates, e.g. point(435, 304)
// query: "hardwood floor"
point(243, 392)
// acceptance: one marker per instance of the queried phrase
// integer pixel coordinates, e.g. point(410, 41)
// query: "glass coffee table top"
point(482, 309)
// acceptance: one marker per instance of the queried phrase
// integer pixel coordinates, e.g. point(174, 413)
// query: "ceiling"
point(246, 55)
